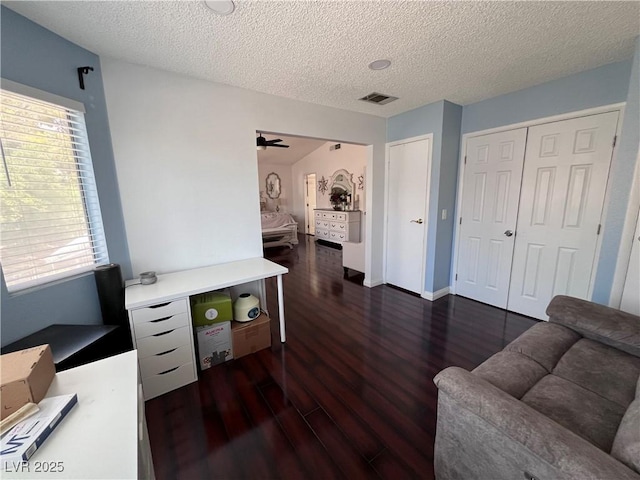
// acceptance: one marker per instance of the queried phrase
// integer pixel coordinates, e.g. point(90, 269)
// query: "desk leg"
point(283, 336)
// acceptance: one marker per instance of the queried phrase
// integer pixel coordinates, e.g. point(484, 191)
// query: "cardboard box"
point(25, 377)
point(214, 344)
point(210, 308)
point(249, 337)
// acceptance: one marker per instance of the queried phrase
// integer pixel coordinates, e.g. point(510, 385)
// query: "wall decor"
point(273, 185)
point(323, 185)
point(361, 182)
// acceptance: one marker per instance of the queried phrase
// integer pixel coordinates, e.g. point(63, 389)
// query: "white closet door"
point(408, 183)
point(489, 210)
point(564, 181)
point(631, 293)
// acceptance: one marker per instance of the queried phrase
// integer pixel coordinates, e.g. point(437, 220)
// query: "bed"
point(278, 229)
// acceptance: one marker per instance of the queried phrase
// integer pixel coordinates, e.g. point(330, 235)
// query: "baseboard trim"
point(371, 284)
point(431, 296)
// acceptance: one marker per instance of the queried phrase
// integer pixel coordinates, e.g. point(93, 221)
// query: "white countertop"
point(171, 286)
point(99, 437)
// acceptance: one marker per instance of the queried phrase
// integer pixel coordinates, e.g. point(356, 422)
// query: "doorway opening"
point(310, 203)
point(319, 187)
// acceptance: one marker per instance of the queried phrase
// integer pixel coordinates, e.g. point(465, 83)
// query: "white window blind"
point(50, 222)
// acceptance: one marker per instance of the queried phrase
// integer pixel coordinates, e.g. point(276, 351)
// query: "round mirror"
point(273, 185)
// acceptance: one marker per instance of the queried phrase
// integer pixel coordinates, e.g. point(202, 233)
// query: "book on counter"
point(24, 439)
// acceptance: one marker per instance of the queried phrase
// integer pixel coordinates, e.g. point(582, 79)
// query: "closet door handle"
point(508, 233)
point(416, 221)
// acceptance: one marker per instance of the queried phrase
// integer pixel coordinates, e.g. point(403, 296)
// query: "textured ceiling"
point(319, 51)
point(299, 147)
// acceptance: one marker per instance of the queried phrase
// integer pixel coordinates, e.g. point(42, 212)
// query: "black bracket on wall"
point(82, 71)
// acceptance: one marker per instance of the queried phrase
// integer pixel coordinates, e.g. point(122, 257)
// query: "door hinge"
point(465, 159)
point(456, 277)
point(460, 223)
point(599, 228)
point(615, 139)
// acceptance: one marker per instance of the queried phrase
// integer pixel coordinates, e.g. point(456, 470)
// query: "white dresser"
point(338, 226)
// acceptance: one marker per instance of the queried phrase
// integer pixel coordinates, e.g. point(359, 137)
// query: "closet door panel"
point(564, 181)
point(489, 211)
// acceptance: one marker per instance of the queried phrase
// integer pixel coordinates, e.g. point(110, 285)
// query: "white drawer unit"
point(338, 227)
point(163, 336)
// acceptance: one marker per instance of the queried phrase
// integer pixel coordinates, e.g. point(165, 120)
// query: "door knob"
point(416, 221)
point(508, 233)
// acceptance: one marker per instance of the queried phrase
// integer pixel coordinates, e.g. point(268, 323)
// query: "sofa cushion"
point(545, 343)
point(604, 370)
point(511, 372)
point(585, 413)
point(607, 325)
point(626, 445)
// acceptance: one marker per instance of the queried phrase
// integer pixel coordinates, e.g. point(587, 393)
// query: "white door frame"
point(619, 107)
point(428, 136)
point(628, 237)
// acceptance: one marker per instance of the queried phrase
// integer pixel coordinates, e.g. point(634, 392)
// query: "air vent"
point(378, 98)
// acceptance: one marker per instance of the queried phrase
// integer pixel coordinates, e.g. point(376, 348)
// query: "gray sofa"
point(562, 401)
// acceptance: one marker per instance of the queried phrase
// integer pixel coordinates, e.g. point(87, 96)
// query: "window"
point(50, 223)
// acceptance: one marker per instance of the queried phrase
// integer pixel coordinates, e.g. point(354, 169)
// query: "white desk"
point(100, 436)
point(160, 318)
point(182, 284)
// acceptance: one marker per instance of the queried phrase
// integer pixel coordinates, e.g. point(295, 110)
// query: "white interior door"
point(489, 211)
point(564, 182)
point(408, 185)
point(631, 292)
point(309, 203)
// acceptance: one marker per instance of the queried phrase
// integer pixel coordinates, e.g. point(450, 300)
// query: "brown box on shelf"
point(25, 377)
point(249, 337)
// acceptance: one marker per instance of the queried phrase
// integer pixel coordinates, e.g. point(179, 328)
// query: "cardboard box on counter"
point(25, 377)
point(249, 337)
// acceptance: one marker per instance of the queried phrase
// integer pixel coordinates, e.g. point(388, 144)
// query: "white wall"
point(187, 171)
point(284, 172)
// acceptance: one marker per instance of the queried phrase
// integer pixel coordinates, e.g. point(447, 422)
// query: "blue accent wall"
point(442, 119)
point(449, 161)
point(604, 85)
point(622, 171)
point(38, 58)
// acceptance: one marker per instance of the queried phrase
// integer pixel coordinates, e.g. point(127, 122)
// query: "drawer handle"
point(169, 371)
point(161, 319)
point(163, 333)
point(167, 352)
point(160, 305)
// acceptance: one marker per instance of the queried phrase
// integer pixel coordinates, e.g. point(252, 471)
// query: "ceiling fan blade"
point(270, 142)
point(281, 146)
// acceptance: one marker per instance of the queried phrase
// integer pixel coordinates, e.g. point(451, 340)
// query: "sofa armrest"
point(565, 452)
point(606, 325)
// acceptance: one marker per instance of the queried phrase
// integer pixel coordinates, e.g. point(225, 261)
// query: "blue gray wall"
point(593, 88)
point(442, 119)
point(606, 85)
point(601, 86)
point(36, 57)
point(622, 171)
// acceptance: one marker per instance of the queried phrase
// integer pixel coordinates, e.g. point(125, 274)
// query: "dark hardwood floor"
point(350, 395)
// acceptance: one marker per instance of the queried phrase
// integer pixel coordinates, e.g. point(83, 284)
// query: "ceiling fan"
point(262, 143)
